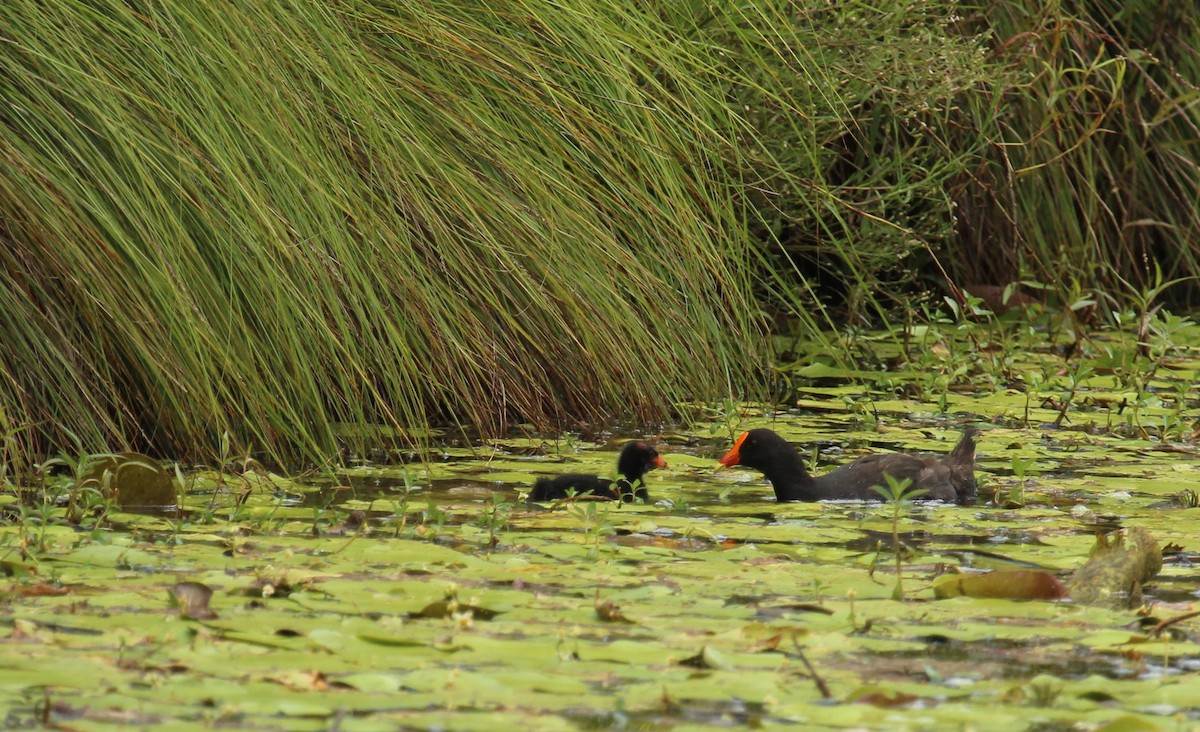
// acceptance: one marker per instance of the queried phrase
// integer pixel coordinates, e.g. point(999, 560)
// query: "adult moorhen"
point(951, 478)
point(636, 459)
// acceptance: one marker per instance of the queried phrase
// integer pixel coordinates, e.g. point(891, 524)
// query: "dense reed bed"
point(311, 225)
point(1092, 187)
point(272, 220)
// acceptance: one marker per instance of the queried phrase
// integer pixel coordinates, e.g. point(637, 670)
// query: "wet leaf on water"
point(1015, 584)
point(22, 627)
point(1130, 723)
point(192, 598)
point(391, 640)
point(304, 680)
point(378, 683)
point(610, 612)
point(121, 718)
point(448, 644)
point(43, 589)
point(807, 607)
point(12, 568)
point(884, 698)
point(767, 638)
point(264, 587)
point(1158, 627)
point(707, 658)
point(680, 543)
point(771, 643)
point(452, 608)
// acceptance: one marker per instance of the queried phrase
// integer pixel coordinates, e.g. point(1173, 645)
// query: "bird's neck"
point(790, 479)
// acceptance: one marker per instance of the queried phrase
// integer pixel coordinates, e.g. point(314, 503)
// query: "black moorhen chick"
point(637, 458)
point(951, 478)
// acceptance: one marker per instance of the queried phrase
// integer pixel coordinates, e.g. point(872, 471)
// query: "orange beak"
point(732, 457)
point(659, 462)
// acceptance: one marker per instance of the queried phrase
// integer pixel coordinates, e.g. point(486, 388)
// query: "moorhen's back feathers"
point(549, 489)
point(637, 458)
point(951, 478)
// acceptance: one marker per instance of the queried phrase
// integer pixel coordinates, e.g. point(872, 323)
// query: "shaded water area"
point(429, 595)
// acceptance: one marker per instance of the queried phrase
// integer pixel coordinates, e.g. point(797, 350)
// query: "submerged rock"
point(1116, 570)
point(133, 479)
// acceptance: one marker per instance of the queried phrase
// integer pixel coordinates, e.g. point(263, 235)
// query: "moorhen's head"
point(637, 458)
point(760, 449)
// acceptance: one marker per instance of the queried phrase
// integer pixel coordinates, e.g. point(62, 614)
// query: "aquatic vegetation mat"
point(430, 596)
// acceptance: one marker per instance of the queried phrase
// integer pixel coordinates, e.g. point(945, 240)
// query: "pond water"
point(429, 595)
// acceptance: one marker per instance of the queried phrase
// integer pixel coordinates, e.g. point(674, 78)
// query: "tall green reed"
point(276, 220)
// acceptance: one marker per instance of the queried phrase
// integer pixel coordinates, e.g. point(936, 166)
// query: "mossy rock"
point(1116, 570)
point(133, 479)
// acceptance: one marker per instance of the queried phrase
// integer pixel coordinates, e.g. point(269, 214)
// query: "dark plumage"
point(637, 458)
point(951, 478)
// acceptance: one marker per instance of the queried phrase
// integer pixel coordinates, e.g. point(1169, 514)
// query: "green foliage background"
point(272, 220)
point(1092, 185)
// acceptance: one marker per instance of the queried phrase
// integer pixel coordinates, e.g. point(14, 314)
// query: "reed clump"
point(1091, 189)
point(274, 220)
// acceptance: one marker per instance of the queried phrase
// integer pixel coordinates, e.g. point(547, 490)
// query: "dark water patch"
point(449, 491)
point(1175, 589)
point(1010, 659)
point(734, 713)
